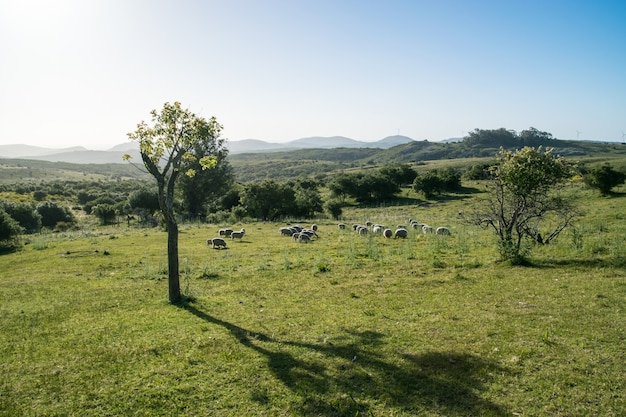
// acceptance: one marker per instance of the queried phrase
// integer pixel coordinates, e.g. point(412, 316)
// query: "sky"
point(86, 72)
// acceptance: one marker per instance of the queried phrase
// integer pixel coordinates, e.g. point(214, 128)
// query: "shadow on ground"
point(355, 375)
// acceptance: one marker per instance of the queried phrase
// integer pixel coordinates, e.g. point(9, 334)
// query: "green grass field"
point(343, 326)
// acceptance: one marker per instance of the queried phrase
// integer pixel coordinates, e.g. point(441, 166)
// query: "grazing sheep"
point(309, 233)
point(295, 236)
point(362, 230)
point(378, 229)
point(314, 227)
point(401, 233)
point(369, 223)
point(442, 231)
point(238, 235)
point(304, 238)
point(286, 231)
point(416, 225)
point(342, 226)
point(388, 233)
point(216, 243)
point(427, 229)
point(225, 232)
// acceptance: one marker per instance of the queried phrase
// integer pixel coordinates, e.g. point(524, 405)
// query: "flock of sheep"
point(220, 242)
point(401, 231)
point(302, 234)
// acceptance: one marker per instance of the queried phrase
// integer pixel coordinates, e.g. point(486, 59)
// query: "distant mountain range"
point(81, 155)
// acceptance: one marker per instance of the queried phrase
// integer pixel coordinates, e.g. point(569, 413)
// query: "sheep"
point(314, 227)
point(216, 243)
point(286, 231)
point(427, 229)
point(295, 236)
point(401, 233)
point(378, 229)
point(442, 231)
point(225, 232)
point(341, 226)
point(238, 235)
point(388, 233)
point(304, 238)
point(309, 233)
point(362, 230)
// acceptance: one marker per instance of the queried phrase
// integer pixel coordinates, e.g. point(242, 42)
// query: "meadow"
point(343, 326)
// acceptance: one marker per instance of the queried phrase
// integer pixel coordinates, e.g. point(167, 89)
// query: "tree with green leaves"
point(10, 230)
point(171, 146)
point(604, 178)
point(524, 201)
point(268, 199)
point(206, 185)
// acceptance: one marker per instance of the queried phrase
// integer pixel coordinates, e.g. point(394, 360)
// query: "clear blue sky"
point(85, 72)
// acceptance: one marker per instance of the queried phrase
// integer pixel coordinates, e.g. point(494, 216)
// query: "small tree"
point(105, 212)
point(52, 213)
point(9, 230)
point(604, 178)
point(522, 199)
point(169, 148)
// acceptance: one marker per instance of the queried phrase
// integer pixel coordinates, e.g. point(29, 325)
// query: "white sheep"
point(378, 229)
point(362, 230)
point(341, 226)
point(238, 235)
point(401, 233)
point(442, 231)
point(427, 229)
point(314, 227)
point(216, 243)
point(388, 233)
point(304, 238)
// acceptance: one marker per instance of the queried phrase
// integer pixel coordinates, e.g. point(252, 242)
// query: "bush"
point(25, 214)
point(52, 213)
point(604, 178)
point(9, 229)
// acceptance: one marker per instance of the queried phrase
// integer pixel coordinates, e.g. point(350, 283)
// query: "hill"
point(292, 162)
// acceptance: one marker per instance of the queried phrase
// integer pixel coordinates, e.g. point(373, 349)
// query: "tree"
point(436, 181)
point(208, 184)
point(105, 212)
point(9, 230)
point(25, 214)
point(523, 202)
point(604, 178)
point(52, 213)
point(307, 199)
point(268, 199)
point(144, 198)
point(401, 174)
point(169, 147)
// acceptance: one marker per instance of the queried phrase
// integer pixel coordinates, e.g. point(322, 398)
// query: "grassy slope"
point(344, 325)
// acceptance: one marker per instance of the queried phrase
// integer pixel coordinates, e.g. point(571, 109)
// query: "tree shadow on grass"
point(345, 377)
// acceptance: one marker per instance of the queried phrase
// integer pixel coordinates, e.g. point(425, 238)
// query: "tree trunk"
point(172, 258)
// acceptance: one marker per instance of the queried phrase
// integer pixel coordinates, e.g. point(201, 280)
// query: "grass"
point(343, 326)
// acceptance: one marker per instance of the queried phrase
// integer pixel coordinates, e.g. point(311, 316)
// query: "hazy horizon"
point(79, 73)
